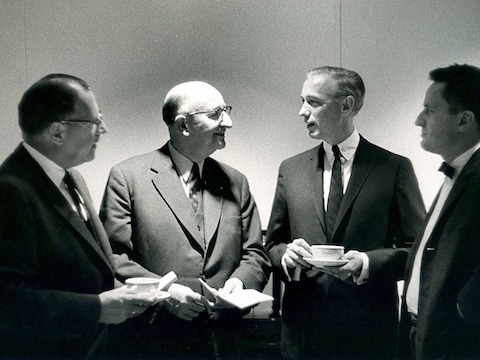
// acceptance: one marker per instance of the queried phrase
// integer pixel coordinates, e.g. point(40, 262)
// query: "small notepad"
point(241, 299)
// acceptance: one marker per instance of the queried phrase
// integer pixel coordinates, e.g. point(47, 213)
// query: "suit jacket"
point(450, 275)
point(151, 223)
point(380, 214)
point(51, 267)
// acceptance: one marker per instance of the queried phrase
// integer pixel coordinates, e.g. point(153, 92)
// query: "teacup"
point(143, 285)
point(327, 252)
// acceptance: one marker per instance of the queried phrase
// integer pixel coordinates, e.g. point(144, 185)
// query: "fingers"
point(188, 307)
point(296, 251)
point(231, 285)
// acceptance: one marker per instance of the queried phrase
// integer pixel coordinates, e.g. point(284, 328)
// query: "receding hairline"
point(188, 88)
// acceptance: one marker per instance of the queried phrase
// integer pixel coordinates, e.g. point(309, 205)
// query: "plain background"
point(255, 52)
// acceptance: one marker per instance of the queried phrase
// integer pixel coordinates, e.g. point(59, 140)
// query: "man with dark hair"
point(178, 209)
point(349, 192)
point(56, 264)
point(442, 282)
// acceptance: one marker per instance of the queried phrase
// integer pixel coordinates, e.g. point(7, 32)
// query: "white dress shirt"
point(55, 172)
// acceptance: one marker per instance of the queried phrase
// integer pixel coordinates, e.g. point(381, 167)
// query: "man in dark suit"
point(442, 281)
point(348, 312)
point(178, 209)
point(56, 264)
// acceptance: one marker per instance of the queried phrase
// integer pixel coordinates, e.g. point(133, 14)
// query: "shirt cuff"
point(363, 277)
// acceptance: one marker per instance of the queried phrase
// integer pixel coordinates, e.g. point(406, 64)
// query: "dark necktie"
point(447, 170)
point(76, 197)
point(336, 193)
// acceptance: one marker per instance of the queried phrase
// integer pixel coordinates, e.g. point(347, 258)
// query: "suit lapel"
point(167, 184)
point(216, 183)
point(52, 195)
point(98, 240)
point(316, 184)
point(461, 183)
point(362, 166)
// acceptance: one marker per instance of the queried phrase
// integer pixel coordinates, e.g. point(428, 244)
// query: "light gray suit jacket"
point(151, 224)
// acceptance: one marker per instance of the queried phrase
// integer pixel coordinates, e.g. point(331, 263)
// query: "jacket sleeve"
point(116, 215)
point(407, 213)
point(278, 232)
point(254, 266)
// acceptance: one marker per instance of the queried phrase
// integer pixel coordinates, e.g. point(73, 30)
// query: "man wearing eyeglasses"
point(56, 264)
point(178, 209)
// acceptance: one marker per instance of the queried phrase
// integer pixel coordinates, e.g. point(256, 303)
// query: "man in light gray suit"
point(178, 209)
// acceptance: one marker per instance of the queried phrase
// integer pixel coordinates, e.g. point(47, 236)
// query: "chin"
point(221, 145)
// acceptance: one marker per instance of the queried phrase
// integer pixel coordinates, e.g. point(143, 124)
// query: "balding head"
point(197, 118)
point(188, 97)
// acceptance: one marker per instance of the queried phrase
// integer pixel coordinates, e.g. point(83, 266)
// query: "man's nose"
point(304, 111)
point(419, 119)
point(226, 120)
point(102, 128)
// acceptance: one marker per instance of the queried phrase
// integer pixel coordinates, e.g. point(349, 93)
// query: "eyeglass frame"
point(226, 108)
point(97, 122)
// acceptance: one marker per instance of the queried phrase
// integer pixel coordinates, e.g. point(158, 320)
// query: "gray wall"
point(255, 52)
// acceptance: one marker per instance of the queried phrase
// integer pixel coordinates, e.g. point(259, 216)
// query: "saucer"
point(160, 296)
point(320, 262)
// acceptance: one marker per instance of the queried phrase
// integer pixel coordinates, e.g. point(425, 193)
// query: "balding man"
point(178, 209)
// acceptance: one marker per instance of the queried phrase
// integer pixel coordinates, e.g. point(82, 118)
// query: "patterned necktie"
point(447, 170)
point(336, 193)
point(195, 187)
point(76, 197)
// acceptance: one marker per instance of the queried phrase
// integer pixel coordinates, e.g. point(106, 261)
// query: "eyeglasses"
point(218, 112)
point(99, 123)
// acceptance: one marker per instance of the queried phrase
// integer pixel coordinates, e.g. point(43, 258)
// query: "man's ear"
point(56, 133)
point(466, 120)
point(348, 104)
point(181, 124)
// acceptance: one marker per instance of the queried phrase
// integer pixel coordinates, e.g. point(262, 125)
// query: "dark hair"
point(170, 109)
point(462, 87)
point(48, 100)
point(348, 83)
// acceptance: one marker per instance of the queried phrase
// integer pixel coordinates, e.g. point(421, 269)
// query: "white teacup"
point(143, 285)
point(327, 252)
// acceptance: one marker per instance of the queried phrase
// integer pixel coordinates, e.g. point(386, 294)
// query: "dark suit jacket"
point(450, 275)
point(51, 267)
point(151, 223)
point(380, 214)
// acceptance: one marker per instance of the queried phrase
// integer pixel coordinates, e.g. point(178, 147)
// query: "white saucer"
point(160, 296)
point(320, 263)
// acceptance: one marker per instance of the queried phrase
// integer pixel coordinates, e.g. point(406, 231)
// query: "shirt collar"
point(459, 162)
point(347, 147)
point(183, 164)
point(53, 171)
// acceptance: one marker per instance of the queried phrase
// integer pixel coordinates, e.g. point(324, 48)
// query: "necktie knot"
point(194, 180)
point(447, 170)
